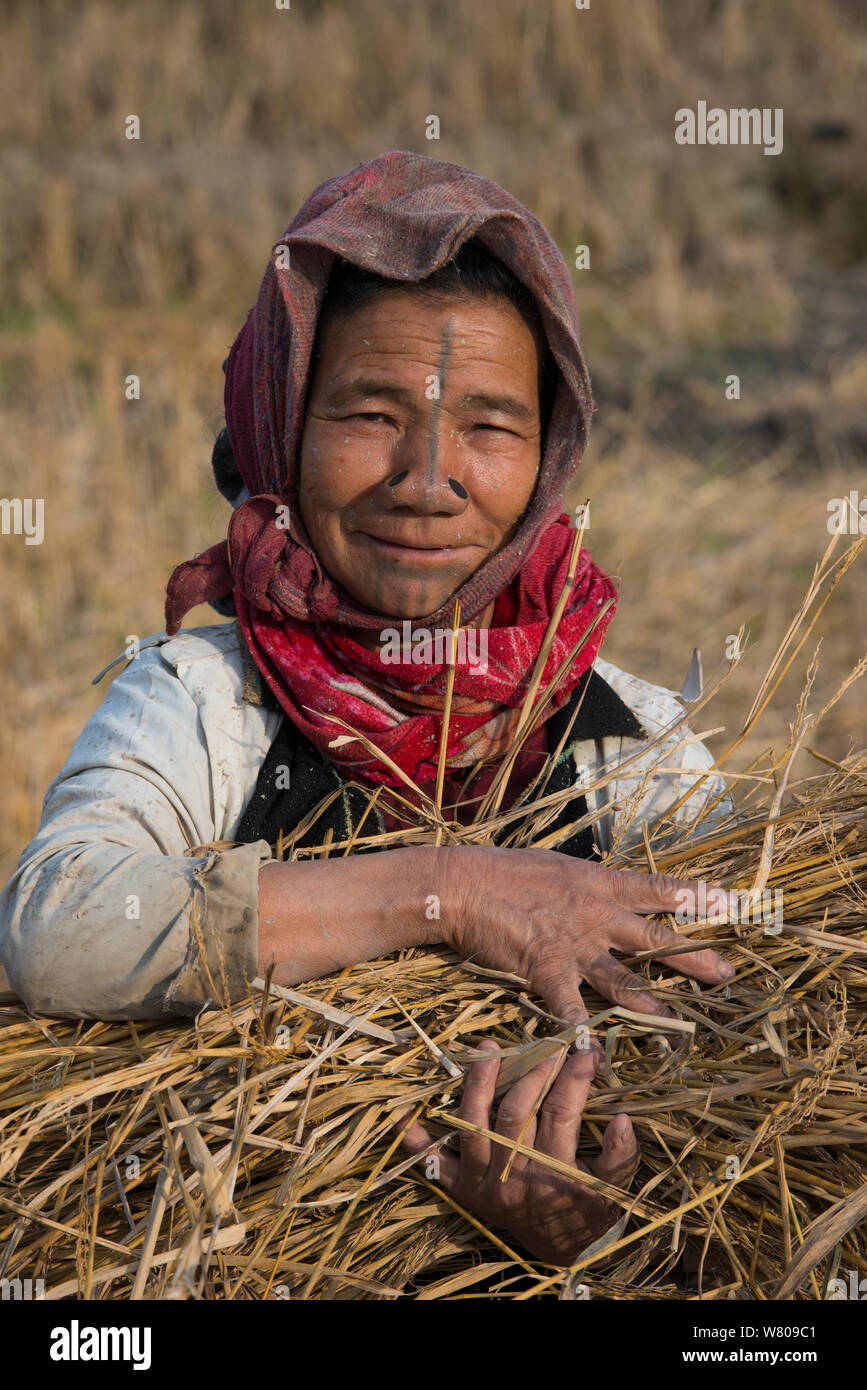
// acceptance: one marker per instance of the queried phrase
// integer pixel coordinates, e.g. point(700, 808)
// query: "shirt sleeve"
point(124, 905)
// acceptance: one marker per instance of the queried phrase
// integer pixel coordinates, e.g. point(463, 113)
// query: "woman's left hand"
point(553, 1216)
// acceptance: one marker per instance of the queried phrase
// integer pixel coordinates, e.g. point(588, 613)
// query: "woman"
point(406, 406)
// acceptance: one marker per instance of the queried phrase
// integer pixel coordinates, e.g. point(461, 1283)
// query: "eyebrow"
point(504, 405)
point(367, 386)
point(484, 400)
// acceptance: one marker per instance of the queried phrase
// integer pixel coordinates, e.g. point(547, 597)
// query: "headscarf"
point(402, 216)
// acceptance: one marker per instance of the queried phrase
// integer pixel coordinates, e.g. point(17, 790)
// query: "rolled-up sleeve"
point(125, 904)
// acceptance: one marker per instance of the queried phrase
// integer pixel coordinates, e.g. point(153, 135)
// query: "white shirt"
point(127, 905)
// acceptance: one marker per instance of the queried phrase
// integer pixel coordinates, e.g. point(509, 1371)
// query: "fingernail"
point(621, 1130)
point(726, 970)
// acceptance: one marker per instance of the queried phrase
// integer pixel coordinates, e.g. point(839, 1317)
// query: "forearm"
point(317, 916)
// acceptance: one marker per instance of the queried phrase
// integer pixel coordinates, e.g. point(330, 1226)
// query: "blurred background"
point(142, 256)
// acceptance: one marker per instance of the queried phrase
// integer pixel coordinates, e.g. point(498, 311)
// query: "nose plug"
point(455, 486)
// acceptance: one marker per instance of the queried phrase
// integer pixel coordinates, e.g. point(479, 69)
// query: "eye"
point(375, 415)
point(495, 429)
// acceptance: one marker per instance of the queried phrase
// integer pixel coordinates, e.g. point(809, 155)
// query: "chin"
point(400, 607)
point(412, 612)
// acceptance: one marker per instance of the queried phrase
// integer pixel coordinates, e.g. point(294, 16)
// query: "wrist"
point(461, 874)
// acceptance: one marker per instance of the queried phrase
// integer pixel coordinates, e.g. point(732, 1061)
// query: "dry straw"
point(254, 1154)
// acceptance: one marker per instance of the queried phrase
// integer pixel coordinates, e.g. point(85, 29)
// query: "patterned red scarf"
point(402, 215)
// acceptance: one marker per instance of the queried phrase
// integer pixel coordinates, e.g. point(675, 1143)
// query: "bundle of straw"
point(255, 1154)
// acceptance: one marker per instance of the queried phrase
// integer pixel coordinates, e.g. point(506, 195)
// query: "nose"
point(427, 476)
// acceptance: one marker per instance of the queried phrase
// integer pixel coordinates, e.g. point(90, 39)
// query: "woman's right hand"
point(555, 920)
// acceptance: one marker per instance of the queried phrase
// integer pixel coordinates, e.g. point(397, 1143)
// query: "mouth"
point(399, 552)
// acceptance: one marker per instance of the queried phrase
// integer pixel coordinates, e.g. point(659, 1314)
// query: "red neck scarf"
point(402, 215)
point(318, 670)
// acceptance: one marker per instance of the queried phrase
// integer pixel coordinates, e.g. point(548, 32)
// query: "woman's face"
point(420, 446)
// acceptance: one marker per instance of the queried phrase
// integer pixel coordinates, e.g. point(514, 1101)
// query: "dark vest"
point(295, 776)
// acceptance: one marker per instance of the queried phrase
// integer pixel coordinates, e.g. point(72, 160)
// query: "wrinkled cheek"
point(324, 490)
point(321, 482)
point(503, 490)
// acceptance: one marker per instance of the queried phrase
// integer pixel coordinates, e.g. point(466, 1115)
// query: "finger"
point(614, 981)
point(559, 986)
point(416, 1137)
point(626, 931)
point(477, 1098)
point(559, 1125)
point(639, 935)
point(515, 1116)
point(662, 893)
point(404, 1125)
point(618, 1161)
point(438, 1164)
point(563, 998)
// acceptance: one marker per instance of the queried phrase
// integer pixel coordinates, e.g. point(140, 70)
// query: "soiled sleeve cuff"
point(222, 955)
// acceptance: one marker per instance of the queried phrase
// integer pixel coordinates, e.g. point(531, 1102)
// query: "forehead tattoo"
point(442, 373)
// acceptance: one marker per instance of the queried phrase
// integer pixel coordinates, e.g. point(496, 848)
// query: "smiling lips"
point(419, 554)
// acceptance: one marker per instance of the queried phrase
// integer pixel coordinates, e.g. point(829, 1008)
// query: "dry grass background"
point(142, 257)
